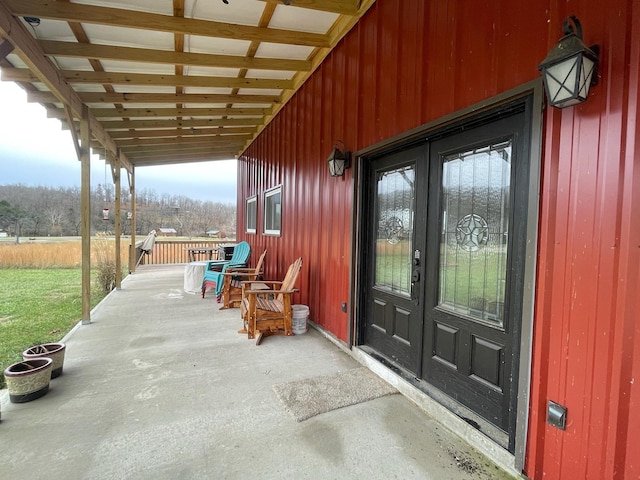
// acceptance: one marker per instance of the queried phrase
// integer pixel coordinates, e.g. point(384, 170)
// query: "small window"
point(273, 211)
point(252, 214)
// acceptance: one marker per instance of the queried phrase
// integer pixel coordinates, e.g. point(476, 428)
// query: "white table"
point(193, 274)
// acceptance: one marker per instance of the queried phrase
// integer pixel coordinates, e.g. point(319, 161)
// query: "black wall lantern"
point(570, 68)
point(338, 161)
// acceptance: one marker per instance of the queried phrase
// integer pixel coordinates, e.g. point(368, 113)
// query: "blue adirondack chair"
point(215, 268)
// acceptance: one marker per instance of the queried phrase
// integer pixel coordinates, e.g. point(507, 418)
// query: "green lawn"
point(38, 306)
point(468, 281)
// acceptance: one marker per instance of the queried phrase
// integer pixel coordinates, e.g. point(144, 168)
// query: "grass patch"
point(38, 306)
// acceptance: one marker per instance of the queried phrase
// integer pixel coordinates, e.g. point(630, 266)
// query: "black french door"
point(445, 241)
point(394, 320)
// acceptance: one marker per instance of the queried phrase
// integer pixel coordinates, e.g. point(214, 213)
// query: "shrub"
point(104, 263)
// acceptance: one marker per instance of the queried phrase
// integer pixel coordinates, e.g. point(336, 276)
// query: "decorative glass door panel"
point(475, 218)
point(394, 317)
point(394, 239)
point(477, 211)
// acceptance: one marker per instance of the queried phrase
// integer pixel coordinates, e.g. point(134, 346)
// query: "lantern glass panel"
point(586, 74)
point(561, 79)
point(336, 167)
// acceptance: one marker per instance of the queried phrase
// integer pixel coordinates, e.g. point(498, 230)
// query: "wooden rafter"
point(147, 55)
point(97, 97)
point(177, 140)
point(343, 7)
point(5, 49)
point(84, 77)
point(151, 124)
point(220, 93)
point(33, 56)
point(166, 112)
point(150, 21)
point(139, 134)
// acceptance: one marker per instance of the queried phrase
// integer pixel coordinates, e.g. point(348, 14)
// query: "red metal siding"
point(407, 63)
point(585, 338)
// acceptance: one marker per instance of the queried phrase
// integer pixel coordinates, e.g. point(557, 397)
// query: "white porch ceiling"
point(170, 81)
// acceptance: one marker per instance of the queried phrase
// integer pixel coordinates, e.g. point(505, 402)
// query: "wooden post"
point(132, 247)
point(85, 213)
point(115, 172)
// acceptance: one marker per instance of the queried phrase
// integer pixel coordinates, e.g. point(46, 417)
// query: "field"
point(56, 252)
point(41, 291)
point(471, 283)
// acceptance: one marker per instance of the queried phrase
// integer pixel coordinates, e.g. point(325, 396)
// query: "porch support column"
point(115, 173)
point(85, 213)
point(132, 246)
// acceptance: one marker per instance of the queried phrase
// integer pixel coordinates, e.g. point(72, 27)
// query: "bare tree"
point(56, 211)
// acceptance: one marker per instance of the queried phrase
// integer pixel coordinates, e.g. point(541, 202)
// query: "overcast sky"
point(34, 150)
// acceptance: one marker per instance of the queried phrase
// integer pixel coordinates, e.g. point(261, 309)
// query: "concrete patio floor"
point(160, 385)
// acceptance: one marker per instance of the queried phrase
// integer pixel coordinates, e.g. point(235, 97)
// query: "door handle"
point(415, 291)
point(415, 276)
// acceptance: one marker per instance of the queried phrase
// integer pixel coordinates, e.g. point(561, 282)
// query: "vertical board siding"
point(411, 62)
point(585, 348)
point(627, 424)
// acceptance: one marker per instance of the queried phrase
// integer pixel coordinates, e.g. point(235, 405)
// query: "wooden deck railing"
point(168, 251)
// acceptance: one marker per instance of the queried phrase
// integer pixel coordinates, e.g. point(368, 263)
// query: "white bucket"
point(300, 317)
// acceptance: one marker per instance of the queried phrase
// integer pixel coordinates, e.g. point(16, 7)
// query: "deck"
point(160, 385)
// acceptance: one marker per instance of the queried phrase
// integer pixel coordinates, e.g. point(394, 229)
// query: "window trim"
point(251, 200)
point(267, 215)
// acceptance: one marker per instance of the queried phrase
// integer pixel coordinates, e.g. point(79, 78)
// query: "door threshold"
point(461, 421)
point(472, 418)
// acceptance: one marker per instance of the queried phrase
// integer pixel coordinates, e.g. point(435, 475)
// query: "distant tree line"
point(55, 211)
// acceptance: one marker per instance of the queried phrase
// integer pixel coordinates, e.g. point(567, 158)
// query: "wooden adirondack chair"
point(232, 280)
point(215, 268)
point(269, 312)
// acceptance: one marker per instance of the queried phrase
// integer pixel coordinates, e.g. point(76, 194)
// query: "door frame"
point(534, 89)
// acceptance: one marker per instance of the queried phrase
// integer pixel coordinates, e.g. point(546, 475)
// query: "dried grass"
point(104, 262)
point(41, 255)
point(67, 254)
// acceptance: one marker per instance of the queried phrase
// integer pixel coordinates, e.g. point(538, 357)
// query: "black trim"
point(29, 396)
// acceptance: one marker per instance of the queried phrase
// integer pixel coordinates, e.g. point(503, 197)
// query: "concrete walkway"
point(161, 386)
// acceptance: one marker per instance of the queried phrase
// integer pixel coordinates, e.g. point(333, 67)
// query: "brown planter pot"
point(28, 380)
point(54, 351)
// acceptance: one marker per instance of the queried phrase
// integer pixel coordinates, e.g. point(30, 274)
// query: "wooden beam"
point(179, 147)
point(74, 133)
point(186, 143)
point(184, 159)
point(166, 112)
point(5, 49)
point(73, 12)
point(188, 125)
point(229, 152)
point(32, 55)
point(149, 124)
point(180, 143)
point(339, 29)
point(172, 98)
point(343, 7)
point(164, 57)
point(141, 134)
point(182, 140)
point(83, 77)
point(169, 141)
